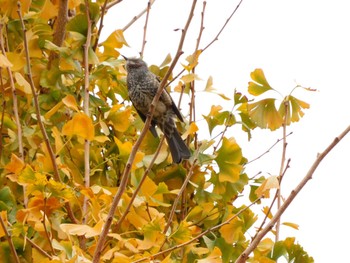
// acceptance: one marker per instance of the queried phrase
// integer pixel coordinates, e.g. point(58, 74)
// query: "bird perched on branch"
point(142, 87)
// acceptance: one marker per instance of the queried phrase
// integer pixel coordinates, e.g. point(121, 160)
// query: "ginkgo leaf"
point(15, 165)
point(182, 233)
point(166, 61)
point(215, 256)
point(80, 125)
point(4, 62)
point(70, 102)
point(83, 230)
point(233, 232)
point(192, 60)
point(292, 109)
point(265, 114)
point(259, 84)
point(229, 158)
point(292, 225)
point(264, 189)
point(189, 78)
point(120, 119)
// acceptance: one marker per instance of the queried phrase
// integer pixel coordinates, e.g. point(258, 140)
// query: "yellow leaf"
point(80, 125)
point(189, 78)
point(17, 60)
point(49, 10)
point(3, 215)
point(192, 129)
point(267, 211)
point(260, 84)
point(120, 119)
point(232, 232)
point(265, 245)
point(214, 257)
point(15, 165)
point(114, 41)
point(292, 225)
point(264, 188)
point(70, 102)
point(53, 110)
point(192, 60)
point(265, 114)
point(4, 62)
point(80, 230)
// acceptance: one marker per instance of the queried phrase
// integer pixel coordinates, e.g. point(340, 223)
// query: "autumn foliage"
point(83, 181)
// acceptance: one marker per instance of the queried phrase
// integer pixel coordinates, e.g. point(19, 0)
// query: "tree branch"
point(135, 18)
point(244, 256)
point(126, 173)
point(56, 175)
point(145, 29)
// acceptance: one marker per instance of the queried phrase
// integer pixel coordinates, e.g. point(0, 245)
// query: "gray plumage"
point(142, 87)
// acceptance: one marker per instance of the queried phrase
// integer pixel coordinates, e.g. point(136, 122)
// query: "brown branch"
point(126, 173)
point(272, 203)
point(45, 228)
point(281, 173)
point(9, 240)
point(145, 29)
point(86, 108)
point(268, 150)
point(223, 27)
point(15, 111)
point(198, 236)
point(135, 18)
point(103, 12)
point(244, 256)
point(60, 29)
point(37, 111)
point(3, 108)
point(112, 3)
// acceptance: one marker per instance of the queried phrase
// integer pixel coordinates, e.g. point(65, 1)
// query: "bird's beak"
point(124, 57)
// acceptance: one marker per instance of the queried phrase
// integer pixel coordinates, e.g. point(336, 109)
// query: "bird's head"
point(134, 63)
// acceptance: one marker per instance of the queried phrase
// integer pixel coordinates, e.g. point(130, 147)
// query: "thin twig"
point(223, 27)
point(60, 29)
point(282, 168)
point(9, 240)
point(126, 173)
point(103, 12)
point(272, 203)
point(145, 29)
point(198, 236)
point(45, 228)
point(86, 108)
point(243, 257)
point(268, 150)
point(29, 75)
point(15, 110)
point(112, 3)
point(3, 108)
point(135, 18)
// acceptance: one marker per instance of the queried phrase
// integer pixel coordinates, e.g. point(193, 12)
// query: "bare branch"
point(56, 175)
point(135, 18)
point(126, 173)
point(223, 27)
point(145, 29)
point(60, 29)
point(86, 107)
point(243, 257)
point(9, 240)
point(113, 3)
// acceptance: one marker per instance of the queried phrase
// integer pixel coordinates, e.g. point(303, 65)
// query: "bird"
point(142, 87)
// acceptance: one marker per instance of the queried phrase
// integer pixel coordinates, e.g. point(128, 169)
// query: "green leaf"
point(78, 24)
point(259, 84)
point(229, 159)
point(265, 114)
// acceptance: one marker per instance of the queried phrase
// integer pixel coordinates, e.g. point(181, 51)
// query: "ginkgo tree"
point(82, 179)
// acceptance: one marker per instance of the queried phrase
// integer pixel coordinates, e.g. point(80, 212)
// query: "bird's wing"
point(167, 100)
point(152, 128)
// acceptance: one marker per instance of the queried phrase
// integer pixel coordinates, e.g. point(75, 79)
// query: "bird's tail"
point(178, 148)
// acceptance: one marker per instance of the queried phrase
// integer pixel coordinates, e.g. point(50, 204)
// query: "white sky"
point(302, 42)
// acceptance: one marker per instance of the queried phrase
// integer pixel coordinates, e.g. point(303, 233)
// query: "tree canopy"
point(82, 178)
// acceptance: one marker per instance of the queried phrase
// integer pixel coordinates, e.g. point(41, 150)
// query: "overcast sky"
point(302, 42)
